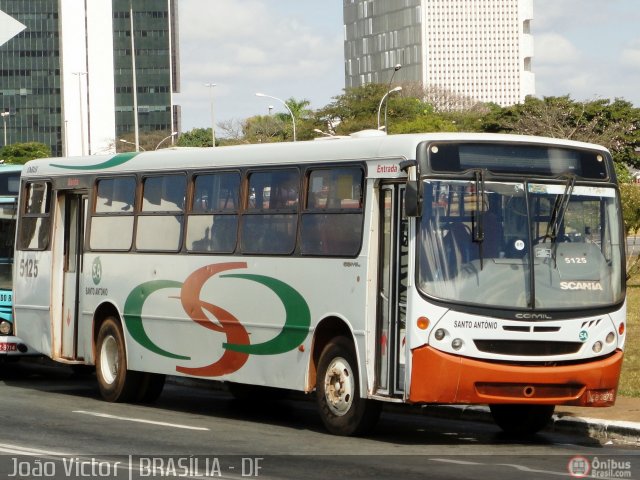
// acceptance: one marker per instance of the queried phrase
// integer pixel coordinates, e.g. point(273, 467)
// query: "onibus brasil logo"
point(237, 347)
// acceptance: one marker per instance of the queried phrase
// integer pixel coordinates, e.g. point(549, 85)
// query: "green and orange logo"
point(237, 347)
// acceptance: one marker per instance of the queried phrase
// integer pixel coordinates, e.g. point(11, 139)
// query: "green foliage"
point(268, 129)
point(424, 123)
point(630, 195)
point(20, 153)
point(614, 125)
point(198, 137)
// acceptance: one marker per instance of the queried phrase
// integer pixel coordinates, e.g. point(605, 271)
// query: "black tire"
point(151, 387)
point(117, 384)
point(522, 420)
point(342, 410)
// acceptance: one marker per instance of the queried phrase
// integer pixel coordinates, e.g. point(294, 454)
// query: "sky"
point(586, 49)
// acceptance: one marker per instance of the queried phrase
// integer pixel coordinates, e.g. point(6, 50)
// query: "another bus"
point(10, 345)
point(428, 268)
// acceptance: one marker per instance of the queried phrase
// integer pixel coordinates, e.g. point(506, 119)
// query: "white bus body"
point(294, 266)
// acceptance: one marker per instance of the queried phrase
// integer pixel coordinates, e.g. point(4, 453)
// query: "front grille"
point(527, 348)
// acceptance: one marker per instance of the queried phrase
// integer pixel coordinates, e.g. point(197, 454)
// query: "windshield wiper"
point(478, 227)
point(559, 209)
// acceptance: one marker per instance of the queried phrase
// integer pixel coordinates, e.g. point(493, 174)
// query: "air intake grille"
point(527, 348)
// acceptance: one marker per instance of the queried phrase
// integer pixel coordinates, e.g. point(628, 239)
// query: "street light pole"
point(138, 147)
point(397, 89)
point(4, 121)
point(395, 70)
point(165, 139)
point(136, 127)
point(213, 122)
point(293, 119)
point(80, 100)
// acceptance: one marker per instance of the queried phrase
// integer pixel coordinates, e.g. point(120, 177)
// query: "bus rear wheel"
point(521, 419)
point(117, 384)
point(342, 410)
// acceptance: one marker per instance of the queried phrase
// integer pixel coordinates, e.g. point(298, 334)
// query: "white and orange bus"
point(428, 268)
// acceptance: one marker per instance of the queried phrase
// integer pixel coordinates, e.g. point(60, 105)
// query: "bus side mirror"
point(412, 192)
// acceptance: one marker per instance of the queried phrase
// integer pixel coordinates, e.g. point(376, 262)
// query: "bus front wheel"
point(342, 410)
point(117, 384)
point(521, 419)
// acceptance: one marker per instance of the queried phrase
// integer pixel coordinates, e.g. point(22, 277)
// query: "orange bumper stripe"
point(438, 377)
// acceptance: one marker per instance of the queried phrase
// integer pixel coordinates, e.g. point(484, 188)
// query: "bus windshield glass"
point(520, 245)
point(7, 236)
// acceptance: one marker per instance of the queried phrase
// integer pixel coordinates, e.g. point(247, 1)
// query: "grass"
point(630, 377)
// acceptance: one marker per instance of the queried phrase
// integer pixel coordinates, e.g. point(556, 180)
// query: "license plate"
point(8, 347)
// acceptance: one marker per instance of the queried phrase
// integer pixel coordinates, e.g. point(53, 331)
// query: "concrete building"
point(479, 49)
point(66, 71)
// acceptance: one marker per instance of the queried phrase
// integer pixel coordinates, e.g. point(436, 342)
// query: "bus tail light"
point(423, 323)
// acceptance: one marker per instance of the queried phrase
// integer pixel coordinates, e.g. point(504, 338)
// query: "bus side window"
point(270, 224)
point(212, 225)
point(332, 218)
point(113, 212)
point(36, 224)
point(161, 220)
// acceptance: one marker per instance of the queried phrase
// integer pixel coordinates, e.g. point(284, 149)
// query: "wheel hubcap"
point(339, 386)
point(109, 360)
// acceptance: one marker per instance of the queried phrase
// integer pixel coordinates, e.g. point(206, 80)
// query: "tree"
point(147, 140)
point(198, 137)
point(266, 129)
point(630, 195)
point(614, 125)
point(20, 153)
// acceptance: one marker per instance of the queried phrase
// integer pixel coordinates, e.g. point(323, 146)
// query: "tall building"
point(66, 71)
point(478, 49)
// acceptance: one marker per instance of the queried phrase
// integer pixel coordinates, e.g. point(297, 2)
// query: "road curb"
point(628, 432)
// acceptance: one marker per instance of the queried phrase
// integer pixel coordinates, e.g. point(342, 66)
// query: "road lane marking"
point(140, 420)
point(20, 450)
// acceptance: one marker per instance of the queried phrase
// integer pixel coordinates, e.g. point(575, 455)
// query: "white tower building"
point(480, 49)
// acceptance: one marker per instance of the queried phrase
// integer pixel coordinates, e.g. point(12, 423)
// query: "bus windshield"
point(520, 245)
point(7, 236)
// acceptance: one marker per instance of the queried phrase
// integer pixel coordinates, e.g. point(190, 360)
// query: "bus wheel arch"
point(116, 382)
point(328, 329)
point(334, 370)
point(342, 408)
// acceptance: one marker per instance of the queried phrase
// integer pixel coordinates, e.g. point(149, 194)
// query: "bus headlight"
point(610, 337)
point(440, 333)
point(5, 328)
point(457, 343)
point(597, 347)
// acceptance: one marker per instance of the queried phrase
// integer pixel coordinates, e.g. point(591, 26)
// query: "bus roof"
point(357, 147)
point(8, 168)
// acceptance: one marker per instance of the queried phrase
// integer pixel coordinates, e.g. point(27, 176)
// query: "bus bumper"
point(11, 346)
point(438, 377)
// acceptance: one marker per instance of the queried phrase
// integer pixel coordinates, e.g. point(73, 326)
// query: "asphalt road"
point(54, 425)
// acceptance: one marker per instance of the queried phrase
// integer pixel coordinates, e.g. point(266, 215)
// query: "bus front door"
point(75, 207)
point(392, 292)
